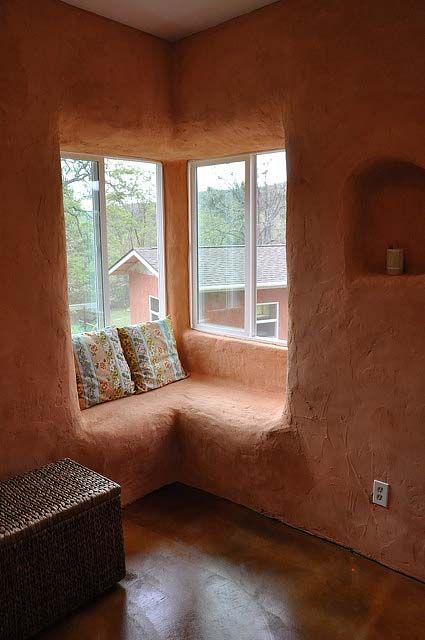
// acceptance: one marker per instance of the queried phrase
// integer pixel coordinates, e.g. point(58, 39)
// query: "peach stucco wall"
point(340, 85)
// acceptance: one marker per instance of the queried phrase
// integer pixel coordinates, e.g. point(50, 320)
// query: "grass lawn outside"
point(120, 317)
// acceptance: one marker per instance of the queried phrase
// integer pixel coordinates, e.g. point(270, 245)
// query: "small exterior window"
point(153, 308)
point(267, 320)
point(238, 246)
point(114, 238)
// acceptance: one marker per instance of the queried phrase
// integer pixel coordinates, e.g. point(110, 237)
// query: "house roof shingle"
point(225, 266)
point(221, 267)
point(150, 255)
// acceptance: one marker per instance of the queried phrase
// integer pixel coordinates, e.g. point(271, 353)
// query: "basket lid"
point(40, 498)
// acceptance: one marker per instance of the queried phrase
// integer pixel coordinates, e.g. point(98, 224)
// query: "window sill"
point(212, 330)
point(254, 363)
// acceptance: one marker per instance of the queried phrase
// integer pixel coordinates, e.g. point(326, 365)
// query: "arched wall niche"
point(384, 204)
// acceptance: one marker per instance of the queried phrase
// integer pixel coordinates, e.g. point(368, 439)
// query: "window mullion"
point(193, 244)
point(103, 246)
point(248, 252)
point(252, 283)
point(160, 239)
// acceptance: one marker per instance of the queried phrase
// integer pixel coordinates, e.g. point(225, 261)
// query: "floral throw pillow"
point(151, 352)
point(100, 366)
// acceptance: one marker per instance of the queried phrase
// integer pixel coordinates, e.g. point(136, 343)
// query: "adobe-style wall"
point(340, 85)
point(73, 78)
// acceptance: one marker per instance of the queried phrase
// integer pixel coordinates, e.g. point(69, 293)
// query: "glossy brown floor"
point(202, 568)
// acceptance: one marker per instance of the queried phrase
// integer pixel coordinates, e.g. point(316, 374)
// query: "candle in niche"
point(395, 261)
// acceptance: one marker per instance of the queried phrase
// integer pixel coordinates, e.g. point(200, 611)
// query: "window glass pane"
point(267, 311)
point(271, 276)
point(81, 209)
point(221, 244)
point(154, 304)
point(131, 217)
point(267, 330)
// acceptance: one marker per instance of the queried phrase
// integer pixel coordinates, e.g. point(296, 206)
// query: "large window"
point(238, 246)
point(113, 221)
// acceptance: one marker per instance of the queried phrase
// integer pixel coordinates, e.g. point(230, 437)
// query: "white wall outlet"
point(380, 493)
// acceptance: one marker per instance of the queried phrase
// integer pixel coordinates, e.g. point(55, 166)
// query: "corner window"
point(113, 224)
point(238, 246)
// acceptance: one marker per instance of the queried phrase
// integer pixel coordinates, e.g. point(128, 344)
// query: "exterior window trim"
point(154, 315)
point(249, 331)
point(270, 320)
point(101, 237)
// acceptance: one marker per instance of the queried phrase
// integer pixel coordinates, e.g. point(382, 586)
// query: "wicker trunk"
point(61, 545)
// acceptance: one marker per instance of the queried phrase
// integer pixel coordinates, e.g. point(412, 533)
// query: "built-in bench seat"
point(203, 431)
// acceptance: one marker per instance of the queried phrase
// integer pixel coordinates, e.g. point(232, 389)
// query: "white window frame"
point(250, 324)
point(101, 234)
point(152, 312)
point(269, 320)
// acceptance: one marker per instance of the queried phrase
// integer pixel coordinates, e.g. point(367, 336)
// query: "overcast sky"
point(222, 176)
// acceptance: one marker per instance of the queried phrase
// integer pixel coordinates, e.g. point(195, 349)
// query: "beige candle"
point(395, 261)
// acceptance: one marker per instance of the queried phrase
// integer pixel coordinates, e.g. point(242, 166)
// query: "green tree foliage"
point(130, 208)
point(131, 222)
point(130, 216)
point(221, 215)
point(77, 178)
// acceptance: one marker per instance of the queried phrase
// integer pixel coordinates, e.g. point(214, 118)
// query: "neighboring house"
point(221, 277)
point(141, 266)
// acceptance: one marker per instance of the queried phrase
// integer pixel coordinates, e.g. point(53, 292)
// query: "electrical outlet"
point(380, 493)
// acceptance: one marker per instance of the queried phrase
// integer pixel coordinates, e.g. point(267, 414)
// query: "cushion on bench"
point(101, 370)
point(151, 352)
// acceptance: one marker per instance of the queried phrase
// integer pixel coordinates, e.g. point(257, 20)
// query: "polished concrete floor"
point(202, 568)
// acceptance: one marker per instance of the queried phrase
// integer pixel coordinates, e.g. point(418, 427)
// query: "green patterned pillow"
point(151, 352)
point(101, 370)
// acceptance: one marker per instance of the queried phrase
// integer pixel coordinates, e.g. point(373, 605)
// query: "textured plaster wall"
point(340, 85)
point(72, 78)
point(345, 82)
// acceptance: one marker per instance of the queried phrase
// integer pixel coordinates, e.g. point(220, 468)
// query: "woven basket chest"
point(61, 544)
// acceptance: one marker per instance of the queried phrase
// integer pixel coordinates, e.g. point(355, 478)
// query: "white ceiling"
point(170, 19)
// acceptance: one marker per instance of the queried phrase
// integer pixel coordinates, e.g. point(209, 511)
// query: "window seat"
point(203, 431)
